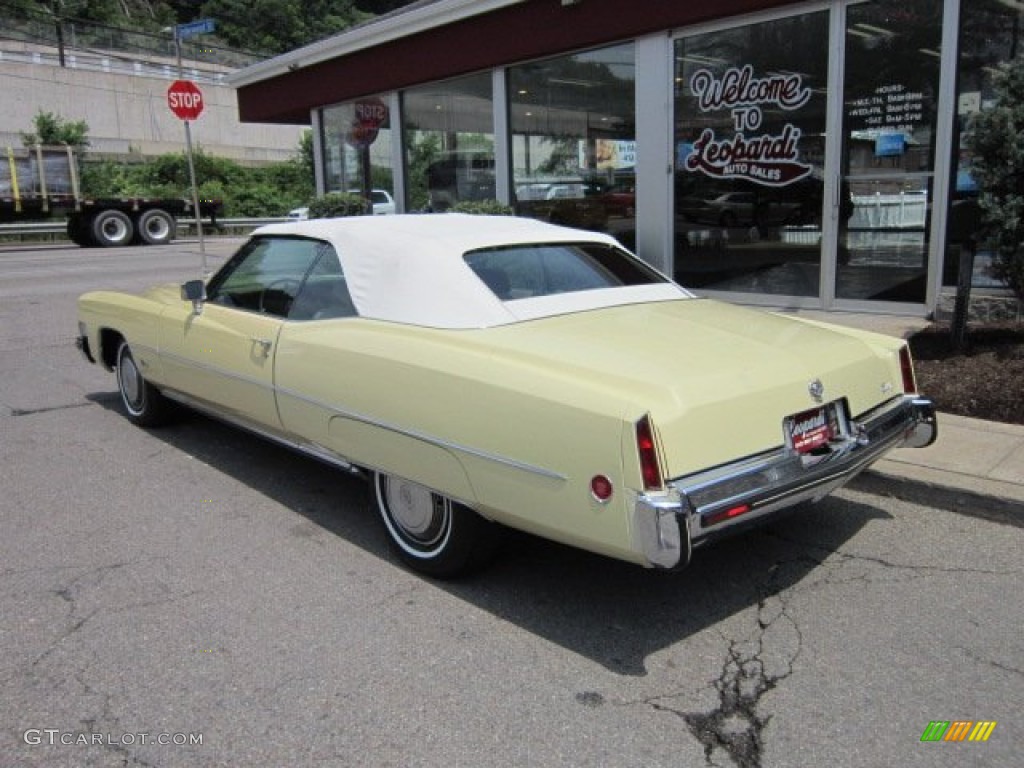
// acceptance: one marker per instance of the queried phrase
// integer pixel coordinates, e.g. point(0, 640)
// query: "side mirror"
point(194, 291)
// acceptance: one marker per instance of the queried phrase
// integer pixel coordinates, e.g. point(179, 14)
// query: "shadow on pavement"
point(613, 613)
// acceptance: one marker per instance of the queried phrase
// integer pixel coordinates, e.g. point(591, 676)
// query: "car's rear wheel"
point(430, 532)
point(143, 403)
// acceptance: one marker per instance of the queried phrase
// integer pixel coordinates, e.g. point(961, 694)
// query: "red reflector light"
point(650, 470)
point(601, 487)
point(727, 514)
point(907, 370)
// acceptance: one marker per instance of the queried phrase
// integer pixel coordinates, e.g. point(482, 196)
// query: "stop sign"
point(185, 99)
point(370, 113)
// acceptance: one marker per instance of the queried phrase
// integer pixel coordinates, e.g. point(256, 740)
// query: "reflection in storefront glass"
point(573, 123)
point(448, 133)
point(890, 105)
point(356, 139)
point(749, 144)
point(990, 33)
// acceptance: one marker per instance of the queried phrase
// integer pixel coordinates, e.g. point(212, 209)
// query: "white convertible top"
point(410, 268)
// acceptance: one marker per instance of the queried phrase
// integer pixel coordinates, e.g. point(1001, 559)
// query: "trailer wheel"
point(112, 228)
point(78, 232)
point(155, 227)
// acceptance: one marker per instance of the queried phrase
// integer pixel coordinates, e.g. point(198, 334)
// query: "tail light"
point(650, 468)
point(907, 371)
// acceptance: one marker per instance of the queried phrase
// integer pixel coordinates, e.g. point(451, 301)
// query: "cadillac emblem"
point(817, 390)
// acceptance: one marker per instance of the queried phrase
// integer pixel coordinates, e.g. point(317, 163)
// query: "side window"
point(265, 275)
point(325, 293)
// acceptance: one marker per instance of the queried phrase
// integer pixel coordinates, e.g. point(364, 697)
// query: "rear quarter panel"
point(516, 444)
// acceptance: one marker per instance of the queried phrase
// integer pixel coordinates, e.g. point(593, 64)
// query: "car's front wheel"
point(143, 402)
point(430, 532)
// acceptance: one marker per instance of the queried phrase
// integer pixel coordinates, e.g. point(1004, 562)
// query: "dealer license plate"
point(810, 430)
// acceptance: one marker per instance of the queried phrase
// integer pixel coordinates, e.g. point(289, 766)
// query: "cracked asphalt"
point(193, 581)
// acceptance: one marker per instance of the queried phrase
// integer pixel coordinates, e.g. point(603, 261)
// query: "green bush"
point(335, 204)
point(484, 208)
point(997, 141)
point(270, 190)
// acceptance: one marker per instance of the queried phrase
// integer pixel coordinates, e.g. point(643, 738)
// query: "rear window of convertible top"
point(543, 269)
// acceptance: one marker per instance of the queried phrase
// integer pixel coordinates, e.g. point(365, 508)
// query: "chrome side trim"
point(189, 363)
point(363, 419)
point(310, 449)
point(424, 437)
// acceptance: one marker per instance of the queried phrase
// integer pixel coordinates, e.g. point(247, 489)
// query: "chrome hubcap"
point(419, 513)
point(130, 385)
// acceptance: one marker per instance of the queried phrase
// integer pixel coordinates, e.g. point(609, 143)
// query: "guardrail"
point(59, 226)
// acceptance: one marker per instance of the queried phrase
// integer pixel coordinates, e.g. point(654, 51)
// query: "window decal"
point(769, 159)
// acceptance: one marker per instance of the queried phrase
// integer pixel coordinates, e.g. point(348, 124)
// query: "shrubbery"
point(263, 191)
point(336, 204)
point(483, 207)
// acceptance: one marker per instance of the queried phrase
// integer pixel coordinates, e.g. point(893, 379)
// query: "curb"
point(996, 508)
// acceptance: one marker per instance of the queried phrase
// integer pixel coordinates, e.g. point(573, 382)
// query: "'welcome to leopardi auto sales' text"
point(56, 737)
point(770, 159)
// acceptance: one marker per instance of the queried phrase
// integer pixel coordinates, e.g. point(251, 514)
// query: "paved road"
point(195, 584)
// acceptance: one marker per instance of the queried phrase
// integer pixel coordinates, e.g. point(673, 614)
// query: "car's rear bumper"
point(700, 507)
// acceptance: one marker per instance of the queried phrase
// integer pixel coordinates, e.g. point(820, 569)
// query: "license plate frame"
point(809, 431)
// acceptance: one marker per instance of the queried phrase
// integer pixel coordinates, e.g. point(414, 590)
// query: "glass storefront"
point(356, 141)
point(573, 139)
point(890, 108)
point(803, 147)
point(991, 32)
point(448, 134)
point(750, 116)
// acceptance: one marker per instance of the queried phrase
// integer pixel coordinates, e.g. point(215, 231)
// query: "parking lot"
point(191, 596)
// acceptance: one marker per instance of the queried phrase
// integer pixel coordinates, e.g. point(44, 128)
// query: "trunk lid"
point(718, 380)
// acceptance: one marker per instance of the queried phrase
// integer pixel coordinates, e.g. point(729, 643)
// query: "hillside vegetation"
point(264, 26)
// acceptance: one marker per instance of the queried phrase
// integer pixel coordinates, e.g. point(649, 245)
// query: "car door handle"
point(265, 344)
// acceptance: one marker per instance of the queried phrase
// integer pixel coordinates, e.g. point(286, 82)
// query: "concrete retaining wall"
point(127, 113)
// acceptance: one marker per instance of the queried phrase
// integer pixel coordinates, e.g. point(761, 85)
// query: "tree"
point(51, 129)
point(276, 26)
point(998, 146)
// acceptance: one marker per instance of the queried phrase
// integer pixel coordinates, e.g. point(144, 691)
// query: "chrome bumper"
point(706, 505)
point(82, 343)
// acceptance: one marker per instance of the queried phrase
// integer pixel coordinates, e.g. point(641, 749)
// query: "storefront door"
point(750, 117)
point(890, 106)
point(773, 207)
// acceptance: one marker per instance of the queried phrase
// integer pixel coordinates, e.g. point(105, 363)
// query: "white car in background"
point(383, 204)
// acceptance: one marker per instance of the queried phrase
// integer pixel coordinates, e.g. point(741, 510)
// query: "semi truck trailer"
point(42, 182)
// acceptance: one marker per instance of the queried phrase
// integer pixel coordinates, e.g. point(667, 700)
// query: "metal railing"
point(58, 227)
point(30, 38)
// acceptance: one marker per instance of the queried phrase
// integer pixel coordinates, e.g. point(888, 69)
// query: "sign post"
point(186, 101)
point(370, 115)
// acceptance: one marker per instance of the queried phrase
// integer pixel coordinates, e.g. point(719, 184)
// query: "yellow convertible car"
point(497, 371)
